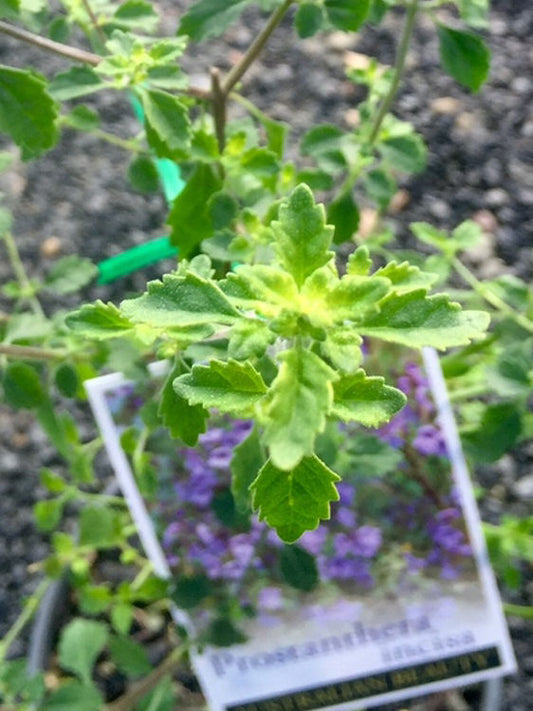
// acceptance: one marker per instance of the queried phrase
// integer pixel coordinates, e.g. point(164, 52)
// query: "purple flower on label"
point(345, 516)
point(346, 493)
point(429, 441)
point(220, 457)
point(270, 598)
point(313, 541)
point(367, 541)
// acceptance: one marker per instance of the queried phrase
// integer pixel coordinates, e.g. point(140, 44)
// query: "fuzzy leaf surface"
point(229, 386)
point(302, 236)
point(80, 644)
point(168, 117)
point(300, 396)
point(181, 301)
point(27, 111)
point(415, 319)
point(183, 420)
point(99, 320)
point(366, 399)
point(297, 500)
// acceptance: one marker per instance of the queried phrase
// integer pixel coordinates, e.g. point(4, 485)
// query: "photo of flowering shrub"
point(397, 525)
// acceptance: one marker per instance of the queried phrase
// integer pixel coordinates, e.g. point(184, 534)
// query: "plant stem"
point(141, 688)
point(32, 352)
point(218, 99)
point(25, 616)
point(20, 273)
point(525, 611)
point(255, 48)
point(127, 144)
point(420, 477)
point(401, 56)
point(94, 21)
point(490, 297)
point(63, 50)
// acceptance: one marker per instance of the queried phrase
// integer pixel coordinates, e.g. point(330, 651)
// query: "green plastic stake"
point(160, 248)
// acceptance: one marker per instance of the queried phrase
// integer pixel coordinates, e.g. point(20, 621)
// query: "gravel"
point(76, 200)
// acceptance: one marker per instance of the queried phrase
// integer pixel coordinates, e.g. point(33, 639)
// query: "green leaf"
point(230, 387)
point(82, 118)
point(94, 599)
point(223, 633)
point(294, 501)
point(366, 399)
point(405, 277)
point(9, 8)
point(326, 144)
point(342, 347)
point(407, 153)
point(355, 296)
point(52, 481)
point(143, 175)
point(359, 262)
point(498, 431)
point(77, 81)
point(474, 12)
point(298, 568)
point(27, 327)
point(48, 513)
point(415, 319)
point(249, 338)
point(136, 14)
point(99, 527)
point(129, 656)
point(259, 286)
point(301, 234)
point(190, 218)
point(371, 457)
point(167, 117)
point(81, 643)
point(70, 274)
point(99, 320)
point(73, 695)
point(184, 421)
point(188, 591)
point(27, 111)
point(181, 301)
point(208, 18)
point(380, 186)
point(467, 235)
point(343, 214)
point(121, 617)
point(309, 19)
point(347, 15)
point(247, 460)
point(299, 400)
point(465, 56)
point(22, 386)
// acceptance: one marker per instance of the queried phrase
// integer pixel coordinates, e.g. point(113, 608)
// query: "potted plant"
point(262, 320)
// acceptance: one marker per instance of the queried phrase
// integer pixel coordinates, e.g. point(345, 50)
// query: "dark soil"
point(481, 165)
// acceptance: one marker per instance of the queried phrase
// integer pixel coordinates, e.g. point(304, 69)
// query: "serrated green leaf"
point(129, 656)
point(366, 399)
point(249, 338)
point(406, 277)
point(183, 420)
point(326, 144)
point(407, 153)
point(48, 513)
point(82, 118)
point(70, 274)
point(230, 387)
point(179, 302)
point(302, 236)
point(27, 327)
point(260, 286)
point(347, 15)
point(99, 527)
point(465, 56)
point(415, 319)
point(299, 400)
point(309, 19)
point(248, 458)
point(76, 82)
point(22, 386)
point(74, 695)
point(355, 296)
point(359, 262)
point(209, 18)
point(380, 186)
point(342, 347)
point(27, 111)
point(343, 214)
point(189, 218)
point(136, 14)
point(80, 644)
point(168, 117)
point(99, 320)
point(143, 175)
point(294, 501)
point(467, 235)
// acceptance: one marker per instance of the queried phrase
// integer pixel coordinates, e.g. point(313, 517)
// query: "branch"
point(63, 50)
point(218, 99)
point(255, 48)
point(31, 352)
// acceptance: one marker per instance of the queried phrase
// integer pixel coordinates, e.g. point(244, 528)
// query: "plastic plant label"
point(391, 598)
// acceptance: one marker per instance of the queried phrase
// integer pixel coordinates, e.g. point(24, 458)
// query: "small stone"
point(496, 197)
point(439, 209)
point(445, 105)
point(399, 201)
point(339, 41)
point(368, 220)
point(486, 220)
point(356, 60)
point(51, 247)
point(466, 122)
point(352, 118)
point(523, 488)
